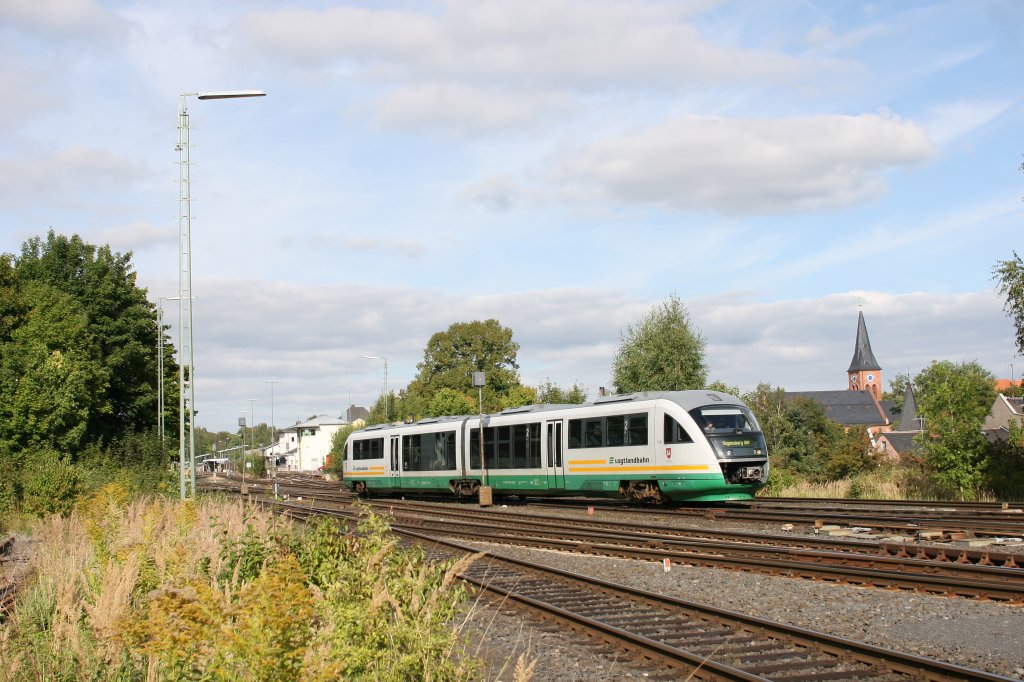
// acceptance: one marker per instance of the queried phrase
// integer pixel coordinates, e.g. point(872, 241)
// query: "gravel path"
point(988, 636)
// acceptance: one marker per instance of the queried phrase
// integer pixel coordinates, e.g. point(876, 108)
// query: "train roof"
point(687, 400)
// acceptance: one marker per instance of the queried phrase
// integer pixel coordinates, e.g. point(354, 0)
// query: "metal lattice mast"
point(186, 393)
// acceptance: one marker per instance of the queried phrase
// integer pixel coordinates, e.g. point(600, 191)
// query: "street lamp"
point(273, 428)
point(387, 396)
point(186, 389)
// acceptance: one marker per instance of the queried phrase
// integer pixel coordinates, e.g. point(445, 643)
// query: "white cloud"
point(581, 43)
point(138, 235)
point(465, 109)
point(311, 337)
point(21, 90)
point(406, 247)
point(807, 163)
point(61, 18)
point(75, 170)
point(496, 192)
point(952, 121)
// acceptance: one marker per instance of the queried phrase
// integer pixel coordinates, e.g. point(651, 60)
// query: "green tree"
point(549, 393)
point(897, 389)
point(723, 387)
point(662, 352)
point(954, 399)
point(120, 318)
point(1010, 276)
point(453, 355)
point(448, 401)
point(52, 385)
point(338, 442)
point(517, 396)
point(443, 384)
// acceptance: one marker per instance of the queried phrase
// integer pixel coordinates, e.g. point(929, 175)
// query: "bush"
point(214, 590)
point(49, 483)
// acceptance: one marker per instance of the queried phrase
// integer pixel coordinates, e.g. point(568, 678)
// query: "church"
point(861, 406)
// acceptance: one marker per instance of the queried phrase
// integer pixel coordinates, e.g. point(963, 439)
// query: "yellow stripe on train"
point(612, 470)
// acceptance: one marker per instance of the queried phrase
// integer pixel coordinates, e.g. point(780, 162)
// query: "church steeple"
point(864, 373)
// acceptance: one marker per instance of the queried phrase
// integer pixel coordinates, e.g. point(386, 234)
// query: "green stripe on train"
point(696, 487)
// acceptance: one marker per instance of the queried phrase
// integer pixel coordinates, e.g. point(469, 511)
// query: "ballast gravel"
point(988, 636)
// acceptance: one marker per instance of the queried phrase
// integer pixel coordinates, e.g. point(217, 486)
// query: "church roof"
point(863, 358)
point(849, 408)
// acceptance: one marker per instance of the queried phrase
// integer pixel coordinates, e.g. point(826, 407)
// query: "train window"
point(504, 447)
point(489, 450)
point(474, 448)
point(615, 430)
point(520, 445)
point(533, 452)
point(368, 449)
point(636, 429)
point(411, 448)
point(575, 433)
point(593, 433)
point(674, 432)
point(720, 419)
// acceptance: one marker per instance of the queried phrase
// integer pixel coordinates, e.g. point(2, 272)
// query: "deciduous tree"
point(662, 352)
point(1010, 276)
point(954, 399)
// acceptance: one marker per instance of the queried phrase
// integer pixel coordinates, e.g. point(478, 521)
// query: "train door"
point(395, 462)
point(555, 462)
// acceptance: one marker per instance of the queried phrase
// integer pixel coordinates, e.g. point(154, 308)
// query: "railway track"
point(693, 639)
point(909, 519)
point(934, 570)
point(945, 578)
point(7, 588)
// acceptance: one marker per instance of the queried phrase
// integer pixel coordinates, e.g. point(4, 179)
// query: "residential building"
point(900, 441)
point(304, 446)
point(1005, 411)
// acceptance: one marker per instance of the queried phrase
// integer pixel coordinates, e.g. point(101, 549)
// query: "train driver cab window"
point(674, 432)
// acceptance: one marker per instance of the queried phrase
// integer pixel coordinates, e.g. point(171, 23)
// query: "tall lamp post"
point(387, 396)
point(273, 428)
point(186, 389)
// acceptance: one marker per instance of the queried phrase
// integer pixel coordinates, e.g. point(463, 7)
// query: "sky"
point(563, 166)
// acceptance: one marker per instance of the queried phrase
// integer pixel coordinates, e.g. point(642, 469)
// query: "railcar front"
point(364, 469)
point(658, 447)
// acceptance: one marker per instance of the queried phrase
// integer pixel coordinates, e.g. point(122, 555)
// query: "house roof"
point(315, 423)
point(908, 416)
point(863, 358)
point(901, 441)
point(1016, 405)
point(849, 408)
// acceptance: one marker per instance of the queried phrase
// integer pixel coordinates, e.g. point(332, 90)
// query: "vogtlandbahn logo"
point(629, 460)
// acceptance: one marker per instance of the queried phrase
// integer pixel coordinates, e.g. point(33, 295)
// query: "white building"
point(305, 446)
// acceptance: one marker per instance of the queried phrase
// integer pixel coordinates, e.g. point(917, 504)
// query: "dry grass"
point(215, 589)
point(887, 483)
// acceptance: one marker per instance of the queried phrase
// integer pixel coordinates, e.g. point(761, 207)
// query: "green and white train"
point(679, 446)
